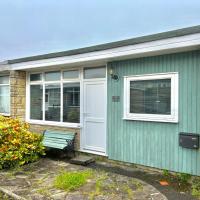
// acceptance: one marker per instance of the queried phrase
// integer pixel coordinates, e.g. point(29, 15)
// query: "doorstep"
point(82, 160)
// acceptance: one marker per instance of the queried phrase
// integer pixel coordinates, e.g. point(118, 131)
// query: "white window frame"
point(7, 84)
point(173, 117)
point(43, 83)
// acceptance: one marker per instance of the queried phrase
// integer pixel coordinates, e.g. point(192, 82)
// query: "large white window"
point(151, 97)
point(55, 97)
point(4, 95)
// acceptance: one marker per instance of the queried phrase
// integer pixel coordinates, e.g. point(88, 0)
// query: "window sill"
point(59, 124)
point(5, 114)
point(148, 119)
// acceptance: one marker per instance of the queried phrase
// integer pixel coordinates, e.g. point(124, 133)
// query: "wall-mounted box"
point(189, 140)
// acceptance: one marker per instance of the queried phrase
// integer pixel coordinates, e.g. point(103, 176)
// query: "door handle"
point(86, 113)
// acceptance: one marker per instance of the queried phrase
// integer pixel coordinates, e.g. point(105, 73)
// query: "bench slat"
point(58, 141)
point(59, 132)
point(59, 137)
point(62, 136)
point(54, 145)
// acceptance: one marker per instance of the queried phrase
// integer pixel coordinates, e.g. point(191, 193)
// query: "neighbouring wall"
point(18, 94)
point(156, 144)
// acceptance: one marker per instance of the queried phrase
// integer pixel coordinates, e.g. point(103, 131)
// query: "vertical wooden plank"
point(150, 143)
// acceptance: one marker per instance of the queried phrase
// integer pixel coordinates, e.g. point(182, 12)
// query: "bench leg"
point(74, 153)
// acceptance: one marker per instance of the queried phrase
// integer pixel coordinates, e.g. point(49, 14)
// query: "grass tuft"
point(71, 181)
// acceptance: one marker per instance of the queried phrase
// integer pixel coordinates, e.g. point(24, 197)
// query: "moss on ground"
point(106, 185)
point(5, 197)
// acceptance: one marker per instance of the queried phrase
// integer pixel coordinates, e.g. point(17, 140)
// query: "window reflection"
point(71, 102)
point(52, 102)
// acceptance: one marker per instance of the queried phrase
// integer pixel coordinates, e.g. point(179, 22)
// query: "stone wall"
point(18, 94)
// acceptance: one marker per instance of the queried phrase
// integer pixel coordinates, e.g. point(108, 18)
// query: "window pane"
point(4, 79)
point(35, 77)
point(36, 94)
point(52, 102)
point(71, 102)
point(95, 73)
point(150, 96)
point(52, 76)
point(4, 99)
point(70, 74)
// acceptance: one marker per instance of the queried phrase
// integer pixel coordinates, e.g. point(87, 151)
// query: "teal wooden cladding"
point(156, 144)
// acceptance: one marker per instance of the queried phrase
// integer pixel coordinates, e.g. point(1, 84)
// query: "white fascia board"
point(4, 68)
point(175, 44)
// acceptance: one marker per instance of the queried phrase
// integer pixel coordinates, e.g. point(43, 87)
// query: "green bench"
point(63, 140)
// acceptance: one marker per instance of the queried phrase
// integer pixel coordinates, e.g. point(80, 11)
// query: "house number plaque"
point(115, 98)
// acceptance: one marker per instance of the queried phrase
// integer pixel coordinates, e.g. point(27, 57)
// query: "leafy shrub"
point(196, 187)
point(70, 181)
point(183, 178)
point(166, 173)
point(17, 144)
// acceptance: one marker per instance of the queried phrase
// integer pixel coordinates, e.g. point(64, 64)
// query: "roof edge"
point(110, 45)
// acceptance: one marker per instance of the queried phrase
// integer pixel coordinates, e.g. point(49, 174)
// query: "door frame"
point(82, 111)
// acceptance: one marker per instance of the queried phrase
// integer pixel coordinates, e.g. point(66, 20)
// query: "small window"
point(52, 76)
point(35, 77)
point(99, 72)
point(71, 74)
point(4, 95)
point(152, 97)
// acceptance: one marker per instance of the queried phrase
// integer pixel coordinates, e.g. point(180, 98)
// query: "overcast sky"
point(31, 27)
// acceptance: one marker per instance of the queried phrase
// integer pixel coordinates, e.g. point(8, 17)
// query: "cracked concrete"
point(35, 182)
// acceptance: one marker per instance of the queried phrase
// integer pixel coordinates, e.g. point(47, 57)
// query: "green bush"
point(183, 178)
point(17, 144)
point(196, 187)
point(70, 181)
point(166, 173)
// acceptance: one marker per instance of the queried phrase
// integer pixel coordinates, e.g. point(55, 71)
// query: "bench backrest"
point(58, 139)
point(65, 135)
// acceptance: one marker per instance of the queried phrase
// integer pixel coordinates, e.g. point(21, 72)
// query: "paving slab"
point(36, 182)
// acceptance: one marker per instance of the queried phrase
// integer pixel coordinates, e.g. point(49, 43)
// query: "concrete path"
point(35, 182)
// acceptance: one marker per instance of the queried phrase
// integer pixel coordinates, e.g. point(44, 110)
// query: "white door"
point(94, 116)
